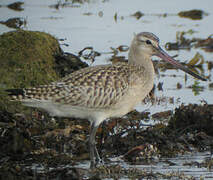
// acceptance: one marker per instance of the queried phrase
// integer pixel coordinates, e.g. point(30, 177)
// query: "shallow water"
point(182, 164)
point(189, 164)
point(105, 24)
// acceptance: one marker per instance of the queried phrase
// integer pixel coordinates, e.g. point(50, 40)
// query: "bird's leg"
point(97, 156)
point(94, 156)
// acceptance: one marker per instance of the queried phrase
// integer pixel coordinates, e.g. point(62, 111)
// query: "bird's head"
point(146, 44)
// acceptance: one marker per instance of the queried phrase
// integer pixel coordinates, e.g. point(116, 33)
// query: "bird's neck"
point(141, 59)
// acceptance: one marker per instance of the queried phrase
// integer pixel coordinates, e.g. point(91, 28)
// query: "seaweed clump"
point(15, 22)
point(194, 14)
point(192, 118)
point(16, 6)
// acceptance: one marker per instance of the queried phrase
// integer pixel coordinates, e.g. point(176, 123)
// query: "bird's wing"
point(92, 87)
point(90, 97)
point(97, 87)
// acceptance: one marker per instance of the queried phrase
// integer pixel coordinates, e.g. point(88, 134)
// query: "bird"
point(100, 92)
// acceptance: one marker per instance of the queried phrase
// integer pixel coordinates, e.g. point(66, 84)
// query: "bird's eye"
point(148, 42)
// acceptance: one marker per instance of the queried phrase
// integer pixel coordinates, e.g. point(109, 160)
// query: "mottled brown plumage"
point(93, 87)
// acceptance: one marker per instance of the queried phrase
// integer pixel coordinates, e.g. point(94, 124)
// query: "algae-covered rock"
point(27, 58)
